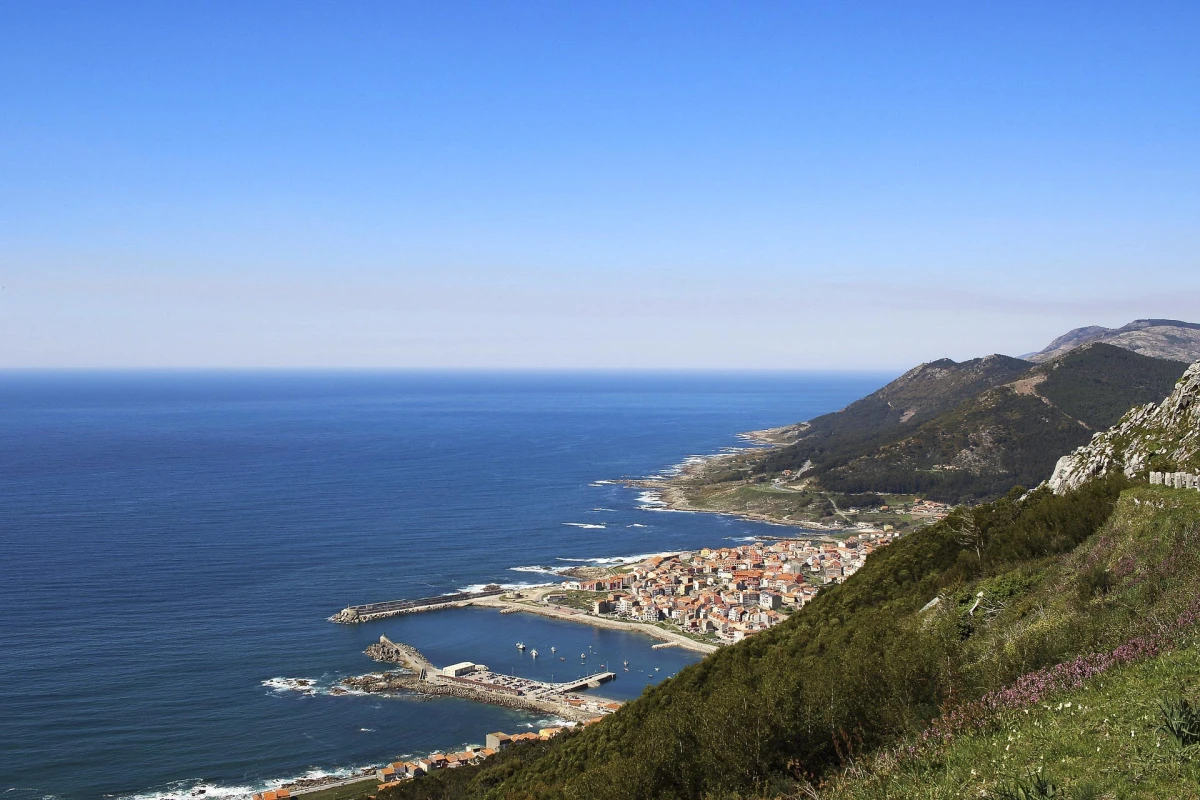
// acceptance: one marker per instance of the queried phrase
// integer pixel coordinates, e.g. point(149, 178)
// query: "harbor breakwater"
point(421, 676)
point(391, 608)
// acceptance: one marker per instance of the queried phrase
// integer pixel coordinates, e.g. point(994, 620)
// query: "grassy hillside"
point(1104, 735)
point(1005, 435)
point(1022, 586)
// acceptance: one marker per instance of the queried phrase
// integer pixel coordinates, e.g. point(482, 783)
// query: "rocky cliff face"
point(1158, 338)
point(1159, 438)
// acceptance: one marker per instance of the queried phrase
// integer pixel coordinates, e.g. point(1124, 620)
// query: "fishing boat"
point(533, 653)
point(553, 649)
point(520, 646)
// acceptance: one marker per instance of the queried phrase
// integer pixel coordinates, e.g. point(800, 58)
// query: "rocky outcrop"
point(1162, 438)
point(409, 657)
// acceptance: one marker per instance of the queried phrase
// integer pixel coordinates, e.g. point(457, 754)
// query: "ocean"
point(173, 542)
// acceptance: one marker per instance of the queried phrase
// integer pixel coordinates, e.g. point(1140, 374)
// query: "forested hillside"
point(1009, 433)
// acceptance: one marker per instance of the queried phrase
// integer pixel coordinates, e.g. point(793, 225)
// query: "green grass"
point(1105, 741)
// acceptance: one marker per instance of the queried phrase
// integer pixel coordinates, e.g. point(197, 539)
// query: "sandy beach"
point(533, 604)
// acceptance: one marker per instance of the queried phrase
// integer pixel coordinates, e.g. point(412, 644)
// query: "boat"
point(533, 653)
point(553, 649)
point(626, 662)
point(520, 646)
point(583, 655)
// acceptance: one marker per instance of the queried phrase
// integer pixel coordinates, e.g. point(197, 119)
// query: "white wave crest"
point(479, 587)
point(617, 560)
point(588, 525)
point(199, 788)
point(535, 568)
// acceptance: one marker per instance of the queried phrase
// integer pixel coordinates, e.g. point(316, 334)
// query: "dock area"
point(473, 681)
point(390, 608)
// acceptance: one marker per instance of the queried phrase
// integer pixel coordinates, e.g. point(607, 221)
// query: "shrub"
point(1032, 787)
point(1095, 580)
point(1181, 721)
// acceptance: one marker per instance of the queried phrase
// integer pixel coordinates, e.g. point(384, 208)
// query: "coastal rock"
point(1150, 439)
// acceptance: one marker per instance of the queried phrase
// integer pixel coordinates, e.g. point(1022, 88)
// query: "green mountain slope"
point(916, 396)
point(1105, 736)
point(1008, 434)
point(1020, 586)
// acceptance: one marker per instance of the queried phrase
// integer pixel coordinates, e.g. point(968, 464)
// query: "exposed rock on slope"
point(1163, 438)
point(1159, 338)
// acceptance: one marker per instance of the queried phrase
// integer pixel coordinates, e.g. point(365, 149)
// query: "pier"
point(369, 611)
point(476, 682)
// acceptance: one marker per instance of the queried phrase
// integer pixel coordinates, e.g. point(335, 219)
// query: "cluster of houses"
point(930, 509)
point(495, 742)
point(399, 771)
point(731, 592)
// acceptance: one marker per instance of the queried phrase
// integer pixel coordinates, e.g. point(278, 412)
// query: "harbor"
point(472, 681)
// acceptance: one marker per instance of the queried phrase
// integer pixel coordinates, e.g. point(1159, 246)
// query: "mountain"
point(918, 395)
point(1153, 437)
point(1158, 338)
point(975, 438)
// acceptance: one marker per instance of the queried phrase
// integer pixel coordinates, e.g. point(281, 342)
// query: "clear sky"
point(590, 184)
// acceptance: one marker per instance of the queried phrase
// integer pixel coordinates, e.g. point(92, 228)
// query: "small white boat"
point(656, 669)
point(533, 653)
point(520, 646)
point(553, 649)
point(583, 655)
point(626, 662)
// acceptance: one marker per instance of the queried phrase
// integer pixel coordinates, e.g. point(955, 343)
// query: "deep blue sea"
point(172, 543)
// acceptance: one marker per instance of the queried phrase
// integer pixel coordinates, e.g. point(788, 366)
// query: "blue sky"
point(571, 184)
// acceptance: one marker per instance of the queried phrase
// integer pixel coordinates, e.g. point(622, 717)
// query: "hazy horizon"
point(618, 186)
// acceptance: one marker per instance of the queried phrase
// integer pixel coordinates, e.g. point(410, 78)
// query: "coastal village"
point(701, 599)
point(731, 592)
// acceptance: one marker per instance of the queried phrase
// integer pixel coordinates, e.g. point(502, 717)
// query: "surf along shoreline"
point(669, 496)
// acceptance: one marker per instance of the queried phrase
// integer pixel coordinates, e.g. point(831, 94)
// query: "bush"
point(1181, 721)
point(1093, 581)
point(1033, 787)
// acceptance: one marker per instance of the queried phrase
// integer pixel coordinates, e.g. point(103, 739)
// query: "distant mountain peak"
point(1160, 338)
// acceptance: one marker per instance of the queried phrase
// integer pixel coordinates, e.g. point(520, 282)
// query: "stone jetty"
point(391, 608)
